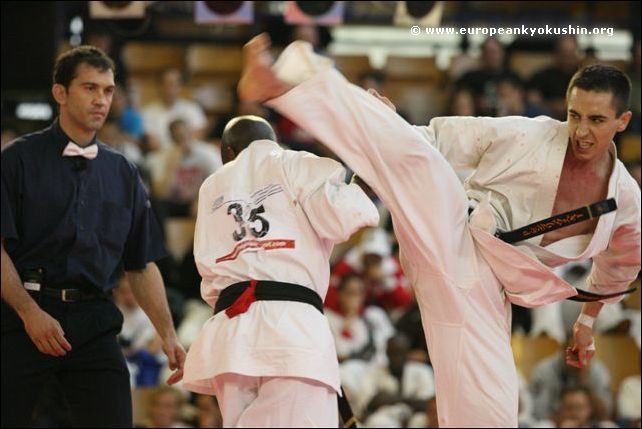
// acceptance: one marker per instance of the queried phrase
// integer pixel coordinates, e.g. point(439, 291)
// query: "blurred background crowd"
point(176, 91)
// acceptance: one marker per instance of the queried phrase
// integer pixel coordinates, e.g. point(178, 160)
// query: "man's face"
point(172, 85)
point(181, 134)
point(592, 123)
point(576, 407)
point(87, 100)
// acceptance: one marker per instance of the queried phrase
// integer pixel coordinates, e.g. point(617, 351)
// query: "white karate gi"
point(464, 277)
point(288, 209)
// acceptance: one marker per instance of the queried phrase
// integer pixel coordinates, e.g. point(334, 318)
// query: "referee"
point(73, 211)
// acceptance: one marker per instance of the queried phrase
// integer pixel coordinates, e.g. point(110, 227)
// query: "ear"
point(227, 154)
point(623, 121)
point(59, 93)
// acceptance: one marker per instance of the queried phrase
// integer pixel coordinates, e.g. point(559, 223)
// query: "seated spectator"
point(552, 375)
point(483, 81)
point(556, 320)
point(127, 117)
point(164, 409)
point(359, 332)
point(386, 285)
point(208, 413)
point(392, 394)
point(628, 402)
point(158, 115)
point(141, 345)
point(111, 134)
point(410, 325)
point(511, 98)
point(462, 103)
point(181, 170)
point(547, 88)
point(578, 409)
point(429, 419)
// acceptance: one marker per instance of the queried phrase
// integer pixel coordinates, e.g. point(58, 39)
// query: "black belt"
point(70, 295)
point(586, 296)
point(268, 290)
point(558, 221)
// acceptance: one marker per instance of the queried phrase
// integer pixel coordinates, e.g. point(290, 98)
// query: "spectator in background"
point(391, 394)
point(359, 332)
point(628, 402)
point(129, 119)
point(483, 82)
point(462, 103)
point(140, 343)
point(112, 134)
point(208, 413)
point(98, 35)
point(386, 285)
point(165, 406)
point(429, 419)
point(547, 88)
point(580, 409)
point(410, 325)
point(511, 98)
point(551, 376)
point(182, 170)
point(158, 115)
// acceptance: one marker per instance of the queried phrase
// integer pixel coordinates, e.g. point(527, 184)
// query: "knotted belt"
point(237, 298)
point(562, 220)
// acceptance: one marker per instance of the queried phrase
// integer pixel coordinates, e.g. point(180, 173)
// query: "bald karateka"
point(267, 222)
point(524, 170)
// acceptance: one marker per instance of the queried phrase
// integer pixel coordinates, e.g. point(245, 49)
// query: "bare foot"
point(258, 81)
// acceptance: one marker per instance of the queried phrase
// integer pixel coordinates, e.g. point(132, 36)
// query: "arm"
point(149, 290)
point(45, 331)
point(613, 270)
point(335, 209)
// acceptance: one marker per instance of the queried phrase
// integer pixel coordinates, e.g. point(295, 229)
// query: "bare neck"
point(80, 136)
point(600, 166)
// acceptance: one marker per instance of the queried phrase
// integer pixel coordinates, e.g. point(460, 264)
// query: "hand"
point(384, 100)
point(258, 81)
point(46, 332)
point(583, 348)
point(176, 357)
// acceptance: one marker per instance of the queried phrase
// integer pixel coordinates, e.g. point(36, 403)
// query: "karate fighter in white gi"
point(267, 222)
point(525, 170)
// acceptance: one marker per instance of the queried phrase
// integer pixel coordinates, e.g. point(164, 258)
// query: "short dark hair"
point(512, 80)
point(243, 130)
point(67, 63)
point(604, 78)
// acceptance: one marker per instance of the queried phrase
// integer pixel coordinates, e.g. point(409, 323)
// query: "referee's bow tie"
point(89, 152)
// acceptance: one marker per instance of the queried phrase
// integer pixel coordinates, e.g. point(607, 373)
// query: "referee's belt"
point(237, 298)
point(69, 295)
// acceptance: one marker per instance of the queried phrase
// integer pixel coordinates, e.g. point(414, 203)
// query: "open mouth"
point(584, 145)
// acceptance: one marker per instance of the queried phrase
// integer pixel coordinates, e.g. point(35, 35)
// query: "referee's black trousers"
point(93, 377)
